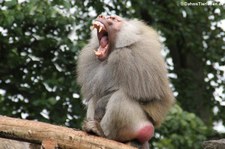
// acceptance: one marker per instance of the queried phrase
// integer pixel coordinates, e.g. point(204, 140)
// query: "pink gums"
point(145, 133)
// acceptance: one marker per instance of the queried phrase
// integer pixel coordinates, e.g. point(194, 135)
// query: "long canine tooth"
point(100, 28)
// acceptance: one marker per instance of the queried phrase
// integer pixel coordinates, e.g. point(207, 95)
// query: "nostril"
point(101, 16)
point(112, 17)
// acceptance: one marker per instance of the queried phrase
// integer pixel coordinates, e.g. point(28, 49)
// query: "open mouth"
point(102, 50)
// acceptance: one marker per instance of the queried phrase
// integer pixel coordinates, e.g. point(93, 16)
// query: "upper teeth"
point(98, 25)
point(100, 28)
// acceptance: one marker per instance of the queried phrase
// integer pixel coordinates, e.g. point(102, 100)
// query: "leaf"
point(10, 3)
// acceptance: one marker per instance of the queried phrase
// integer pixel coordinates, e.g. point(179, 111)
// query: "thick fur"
point(135, 77)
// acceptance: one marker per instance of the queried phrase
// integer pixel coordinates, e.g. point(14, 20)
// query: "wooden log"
point(214, 144)
point(53, 136)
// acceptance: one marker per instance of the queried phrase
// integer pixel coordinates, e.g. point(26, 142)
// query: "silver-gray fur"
point(134, 74)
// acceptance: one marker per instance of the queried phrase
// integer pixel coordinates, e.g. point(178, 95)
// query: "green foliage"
point(38, 63)
point(180, 129)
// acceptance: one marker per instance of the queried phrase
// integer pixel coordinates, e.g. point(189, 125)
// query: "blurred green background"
point(40, 41)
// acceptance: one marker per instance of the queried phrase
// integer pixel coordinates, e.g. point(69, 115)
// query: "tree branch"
point(53, 136)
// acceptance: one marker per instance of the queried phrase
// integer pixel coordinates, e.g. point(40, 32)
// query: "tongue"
point(102, 50)
point(103, 41)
